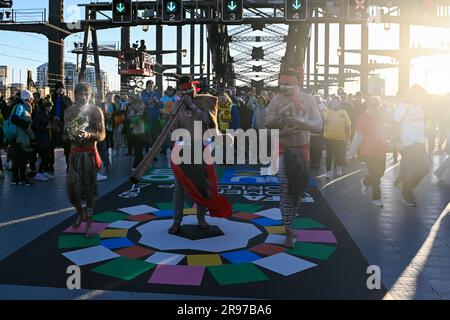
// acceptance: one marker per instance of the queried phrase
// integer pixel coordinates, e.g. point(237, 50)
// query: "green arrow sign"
point(297, 5)
point(171, 6)
point(120, 8)
point(232, 5)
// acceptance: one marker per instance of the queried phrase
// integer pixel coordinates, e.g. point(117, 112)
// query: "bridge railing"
point(23, 15)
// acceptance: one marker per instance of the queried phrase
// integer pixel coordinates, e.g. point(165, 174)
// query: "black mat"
point(341, 276)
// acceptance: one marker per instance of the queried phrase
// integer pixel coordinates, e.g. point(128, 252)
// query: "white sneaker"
point(364, 188)
point(377, 203)
point(329, 174)
point(40, 177)
point(339, 171)
point(101, 177)
point(49, 175)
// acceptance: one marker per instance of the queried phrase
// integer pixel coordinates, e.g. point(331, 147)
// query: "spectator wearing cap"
point(60, 103)
point(22, 147)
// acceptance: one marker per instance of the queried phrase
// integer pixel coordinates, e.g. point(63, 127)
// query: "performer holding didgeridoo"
point(84, 126)
point(295, 113)
point(198, 180)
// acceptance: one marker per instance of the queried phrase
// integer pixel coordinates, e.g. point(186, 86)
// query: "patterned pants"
point(289, 205)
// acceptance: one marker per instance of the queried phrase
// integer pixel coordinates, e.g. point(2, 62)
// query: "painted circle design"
point(237, 233)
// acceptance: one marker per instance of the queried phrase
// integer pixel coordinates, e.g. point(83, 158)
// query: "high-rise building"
point(3, 80)
point(71, 77)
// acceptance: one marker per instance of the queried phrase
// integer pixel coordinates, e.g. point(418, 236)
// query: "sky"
point(22, 51)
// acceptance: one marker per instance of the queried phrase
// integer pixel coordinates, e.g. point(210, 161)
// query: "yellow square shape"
point(276, 230)
point(190, 211)
point(204, 260)
point(114, 233)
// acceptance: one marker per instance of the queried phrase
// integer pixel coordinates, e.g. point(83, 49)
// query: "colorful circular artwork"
point(245, 248)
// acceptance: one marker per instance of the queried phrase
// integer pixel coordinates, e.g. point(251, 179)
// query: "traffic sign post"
point(358, 9)
point(232, 10)
point(296, 10)
point(172, 11)
point(122, 11)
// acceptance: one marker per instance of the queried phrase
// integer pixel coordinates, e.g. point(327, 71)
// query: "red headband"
point(189, 85)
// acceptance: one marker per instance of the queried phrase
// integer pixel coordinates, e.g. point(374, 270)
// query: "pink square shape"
point(135, 252)
point(267, 249)
point(321, 236)
point(177, 275)
point(96, 227)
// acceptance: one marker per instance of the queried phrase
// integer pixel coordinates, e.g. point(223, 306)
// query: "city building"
point(377, 85)
point(71, 77)
point(3, 80)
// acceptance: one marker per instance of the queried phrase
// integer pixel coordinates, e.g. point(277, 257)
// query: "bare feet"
point(81, 217)
point(175, 228)
point(203, 225)
point(289, 242)
point(89, 215)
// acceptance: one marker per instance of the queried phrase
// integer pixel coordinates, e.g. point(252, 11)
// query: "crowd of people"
point(354, 126)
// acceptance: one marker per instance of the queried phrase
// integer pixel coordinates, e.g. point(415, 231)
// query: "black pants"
point(335, 151)
point(109, 139)
point(45, 161)
point(138, 144)
point(20, 160)
point(32, 160)
point(376, 165)
point(102, 148)
point(129, 139)
point(316, 150)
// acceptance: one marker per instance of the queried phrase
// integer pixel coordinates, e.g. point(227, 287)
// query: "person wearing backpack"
point(23, 143)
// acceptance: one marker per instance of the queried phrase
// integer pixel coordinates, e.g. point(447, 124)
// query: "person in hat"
point(60, 103)
point(295, 114)
point(22, 146)
point(198, 180)
point(84, 127)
